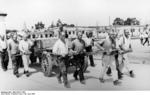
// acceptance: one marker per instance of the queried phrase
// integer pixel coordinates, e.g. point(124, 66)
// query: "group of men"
point(15, 51)
point(77, 48)
point(115, 56)
point(114, 49)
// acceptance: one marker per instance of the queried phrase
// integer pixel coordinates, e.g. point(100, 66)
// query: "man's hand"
point(63, 55)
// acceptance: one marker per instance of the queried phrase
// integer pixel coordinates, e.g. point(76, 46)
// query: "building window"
point(132, 30)
point(50, 35)
point(46, 35)
point(29, 36)
point(83, 32)
point(33, 36)
point(41, 36)
point(73, 32)
point(66, 31)
point(69, 32)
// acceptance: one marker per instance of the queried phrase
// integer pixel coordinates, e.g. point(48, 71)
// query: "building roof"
point(3, 14)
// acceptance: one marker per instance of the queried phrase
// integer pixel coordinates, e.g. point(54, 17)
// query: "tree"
point(131, 21)
point(118, 21)
point(72, 25)
point(39, 25)
point(59, 23)
point(52, 25)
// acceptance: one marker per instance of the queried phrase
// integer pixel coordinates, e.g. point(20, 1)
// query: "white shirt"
point(125, 42)
point(30, 43)
point(88, 41)
point(23, 46)
point(9, 40)
point(60, 48)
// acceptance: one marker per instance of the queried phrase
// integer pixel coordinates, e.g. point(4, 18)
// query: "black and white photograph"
point(74, 45)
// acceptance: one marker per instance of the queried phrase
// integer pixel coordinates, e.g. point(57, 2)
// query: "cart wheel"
point(46, 66)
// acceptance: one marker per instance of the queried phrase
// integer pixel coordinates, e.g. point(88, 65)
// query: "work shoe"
point(24, 72)
point(116, 82)
point(82, 82)
point(101, 80)
point(75, 77)
point(17, 75)
point(4, 70)
point(120, 76)
point(92, 65)
point(59, 80)
point(132, 74)
point(27, 73)
point(109, 75)
point(67, 85)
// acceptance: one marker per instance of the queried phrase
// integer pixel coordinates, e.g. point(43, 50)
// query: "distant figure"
point(89, 44)
point(141, 37)
point(146, 37)
point(4, 53)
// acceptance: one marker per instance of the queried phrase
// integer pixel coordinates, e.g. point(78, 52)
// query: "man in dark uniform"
point(78, 46)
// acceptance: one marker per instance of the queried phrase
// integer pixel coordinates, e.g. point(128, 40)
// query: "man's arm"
point(130, 48)
point(9, 48)
point(99, 45)
point(71, 50)
point(21, 47)
point(92, 42)
point(126, 50)
point(55, 48)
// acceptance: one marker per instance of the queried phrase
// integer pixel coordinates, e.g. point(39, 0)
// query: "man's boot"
point(101, 80)
point(67, 84)
point(82, 82)
point(116, 82)
point(75, 75)
point(132, 74)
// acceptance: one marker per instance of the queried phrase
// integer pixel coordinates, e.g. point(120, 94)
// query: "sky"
point(78, 12)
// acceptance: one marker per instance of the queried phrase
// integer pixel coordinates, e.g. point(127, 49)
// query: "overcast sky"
point(80, 12)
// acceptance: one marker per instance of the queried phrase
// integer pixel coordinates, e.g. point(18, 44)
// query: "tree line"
point(128, 21)
point(41, 25)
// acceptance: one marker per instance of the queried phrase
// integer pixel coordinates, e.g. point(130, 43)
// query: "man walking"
point(78, 46)
point(24, 49)
point(89, 43)
point(60, 49)
point(126, 47)
point(14, 54)
point(146, 36)
point(108, 58)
